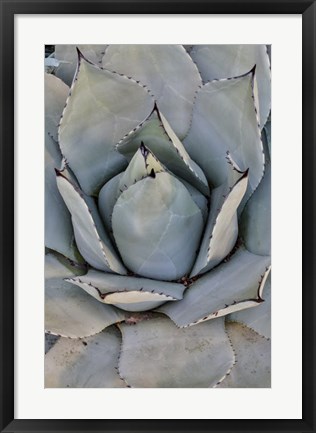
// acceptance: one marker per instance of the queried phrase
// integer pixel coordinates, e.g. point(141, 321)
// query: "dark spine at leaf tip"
point(144, 150)
point(79, 54)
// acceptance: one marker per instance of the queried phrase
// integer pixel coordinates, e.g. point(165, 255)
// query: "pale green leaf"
point(157, 135)
point(255, 223)
point(102, 108)
point(58, 266)
point(140, 166)
point(253, 355)
point(169, 73)
point(87, 363)
point(91, 237)
point(67, 57)
point(221, 230)
point(224, 120)
point(129, 293)
point(157, 354)
point(108, 196)
point(58, 229)
point(223, 61)
point(258, 319)
point(56, 93)
point(69, 311)
point(157, 218)
point(232, 286)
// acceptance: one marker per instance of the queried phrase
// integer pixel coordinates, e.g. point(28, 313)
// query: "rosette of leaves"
point(157, 214)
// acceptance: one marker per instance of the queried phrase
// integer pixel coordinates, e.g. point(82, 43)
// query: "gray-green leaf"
point(224, 120)
point(253, 355)
point(157, 354)
point(255, 223)
point(157, 218)
point(91, 237)
point(58, 229)
point(102, 108)
point(157, 135)
point(87, 363)
point(221, 230)
point(69, 311)
point(169, 73)
point(222, 61)
point(232, 286)
point(129, 293)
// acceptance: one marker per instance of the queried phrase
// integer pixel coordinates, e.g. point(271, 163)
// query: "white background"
point(283, 400)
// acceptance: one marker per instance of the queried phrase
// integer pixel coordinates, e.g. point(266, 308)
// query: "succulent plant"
point(157, 216)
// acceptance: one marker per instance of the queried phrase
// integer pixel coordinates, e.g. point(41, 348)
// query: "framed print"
point(156, 159)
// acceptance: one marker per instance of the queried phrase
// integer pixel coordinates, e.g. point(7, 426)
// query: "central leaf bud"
point(157, 227)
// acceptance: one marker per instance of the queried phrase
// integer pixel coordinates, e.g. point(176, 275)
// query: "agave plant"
point(157, 212)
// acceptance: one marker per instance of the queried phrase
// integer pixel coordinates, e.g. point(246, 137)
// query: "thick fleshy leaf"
point(199, 199)
point(140, 166)
point(67, 57)
point(157, 218)
point(69, 311)
point(255, 223)
point(258, 319)
point(158, 136)
point(253, 355)
point(56, 93)
point(108, 196)
point(87, 363)
point(221, 230)
point(102, 108)
point(129, 293)
point(223, 61)
point(224, 120)
point(143, 164)
point(167, 70)
point(58, 266)
point(157, 354)
point(91, 238)
point(232, 286)
point(58, 229)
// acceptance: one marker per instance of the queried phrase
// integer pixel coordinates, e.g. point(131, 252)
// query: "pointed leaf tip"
point(79, 54)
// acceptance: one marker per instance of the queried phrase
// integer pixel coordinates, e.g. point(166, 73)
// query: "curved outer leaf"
point(161, 217)
point(258, 319)
point(67, 57)
point(167, 70)
point(253, 355)
point(156, 354)
point(56, 93)
point(222, 228)
point(222, 61)
point(92, 240)
point(88, 363)
point(102, 108)
point(156, 133)
point(108, 196)
point(58, 229)
point(128, 293)
point(255, 222)
point(69, 311)
point(232, 286)
point(224, 120)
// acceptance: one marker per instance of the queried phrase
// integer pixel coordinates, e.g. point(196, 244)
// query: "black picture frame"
point(7, 12)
